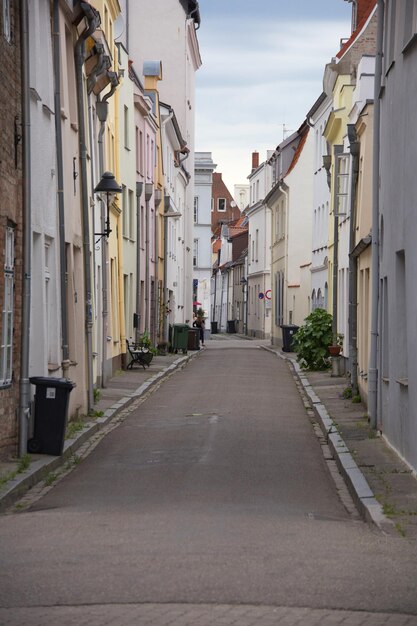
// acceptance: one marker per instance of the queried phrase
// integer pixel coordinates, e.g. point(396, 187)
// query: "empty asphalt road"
point(212, 493)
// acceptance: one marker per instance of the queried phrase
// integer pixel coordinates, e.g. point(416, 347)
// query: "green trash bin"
point(180, 337)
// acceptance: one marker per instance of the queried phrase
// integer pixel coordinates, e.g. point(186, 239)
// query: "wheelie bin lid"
point(49, 381)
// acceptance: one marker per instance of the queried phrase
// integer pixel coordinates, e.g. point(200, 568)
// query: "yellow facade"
point(334, 133)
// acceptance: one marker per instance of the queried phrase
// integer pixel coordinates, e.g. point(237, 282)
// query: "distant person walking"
point(200, 324)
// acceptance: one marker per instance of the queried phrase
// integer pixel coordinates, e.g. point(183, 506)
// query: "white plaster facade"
point(241, 195)
point(317, 118)
point(176, 181)
point(259, 252)
point(202, 250)
point(298, 231)
point(166, 30)
point(397, 366)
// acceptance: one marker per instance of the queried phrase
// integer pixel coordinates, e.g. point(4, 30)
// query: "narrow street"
point(210, 504)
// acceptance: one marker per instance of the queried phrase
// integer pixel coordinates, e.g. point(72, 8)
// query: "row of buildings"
point(96, 190)
point(332, 221)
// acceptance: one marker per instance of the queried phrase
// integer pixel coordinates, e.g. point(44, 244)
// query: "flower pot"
point(334, 350)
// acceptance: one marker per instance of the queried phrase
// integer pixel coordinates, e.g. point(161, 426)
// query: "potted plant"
point(146, 348)
point(200, 313)
point(336, 348)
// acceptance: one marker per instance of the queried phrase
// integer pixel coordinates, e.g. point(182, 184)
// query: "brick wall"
point(11, 211)
point(219, 190)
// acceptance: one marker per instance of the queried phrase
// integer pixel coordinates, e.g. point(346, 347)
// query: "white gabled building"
point(167, 30)
point(202, 248)
point(259, 249)
point(317, 119)
point(176, 181)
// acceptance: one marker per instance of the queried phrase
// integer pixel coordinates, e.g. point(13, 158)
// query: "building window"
point(195, 209)
point(221, 204)
point(7, 31)
point(132, 208)
point(195, 253)
point(410, 23)
point(125, 213)
point(6, 347)
point(212, 205)
point(126, 127)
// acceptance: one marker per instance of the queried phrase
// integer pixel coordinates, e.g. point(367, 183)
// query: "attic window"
point(221, 204)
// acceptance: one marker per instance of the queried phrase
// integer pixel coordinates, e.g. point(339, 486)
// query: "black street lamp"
point(109, 186)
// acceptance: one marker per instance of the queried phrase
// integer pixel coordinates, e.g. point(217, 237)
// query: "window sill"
point(410, 44)
point(402, 381)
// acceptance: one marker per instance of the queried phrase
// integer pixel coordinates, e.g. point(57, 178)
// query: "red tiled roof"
point(298, 152)
point(366, 13)
point(217, 245)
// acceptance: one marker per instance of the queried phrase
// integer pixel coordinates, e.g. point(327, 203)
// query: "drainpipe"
point(284, 299)
point(93, 18)
point(337, 151)
point(139, 188)
point(353, 264)
point(61, 204)
point(373, 369)
point(102, 108)
point(24, 404)
point(148, 196)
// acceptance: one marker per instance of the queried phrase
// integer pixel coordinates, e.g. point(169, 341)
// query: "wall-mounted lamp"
point(109, 186)
point(327, 164)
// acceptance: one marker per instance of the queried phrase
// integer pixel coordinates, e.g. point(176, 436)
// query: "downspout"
point(337, 149)
point(353, 264)
point(165, 333)
point(24, 404)
point(373, 368)
point(93, 18)
point(284, 304)
point(61, 204)
point(148, 196)
point(139, 187)
point(165, 329)
point(102, 108)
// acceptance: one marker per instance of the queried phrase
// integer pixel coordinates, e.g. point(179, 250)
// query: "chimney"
point(255, 160)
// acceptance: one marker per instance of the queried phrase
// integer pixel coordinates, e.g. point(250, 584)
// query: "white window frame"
point(7, 29)
point(6, 346)
point(195, 209)
point(195, 253)
point(218, 205)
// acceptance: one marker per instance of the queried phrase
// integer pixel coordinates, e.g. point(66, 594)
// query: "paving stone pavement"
point(195, 615)
point(383, 486)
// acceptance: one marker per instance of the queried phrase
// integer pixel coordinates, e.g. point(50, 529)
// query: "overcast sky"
point(263, 64)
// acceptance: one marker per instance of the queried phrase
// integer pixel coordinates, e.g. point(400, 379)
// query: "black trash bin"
point(194, 339)
point(213, 328)
point(231, 326)
point(51, 412)
point(288, 332)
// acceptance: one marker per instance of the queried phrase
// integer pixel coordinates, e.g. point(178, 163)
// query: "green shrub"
point(312, 340)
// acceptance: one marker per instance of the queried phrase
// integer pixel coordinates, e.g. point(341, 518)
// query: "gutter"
point(373, 355)
point(24, 391)
point(61, 200)
point(353, 265)
point(93, 18)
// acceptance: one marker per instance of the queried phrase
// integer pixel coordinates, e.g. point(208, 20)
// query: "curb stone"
point(363, 496)
point(40, 468)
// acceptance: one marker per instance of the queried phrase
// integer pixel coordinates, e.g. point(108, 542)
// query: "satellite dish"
point(119, 27)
